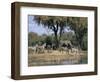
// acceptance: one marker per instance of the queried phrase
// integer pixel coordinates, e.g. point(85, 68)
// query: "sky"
point(34, 27)
point(39, 29)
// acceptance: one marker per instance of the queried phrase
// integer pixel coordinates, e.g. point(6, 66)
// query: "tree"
point(79, 26)
point(48, 40)
point(32, 38)
point(55, 23)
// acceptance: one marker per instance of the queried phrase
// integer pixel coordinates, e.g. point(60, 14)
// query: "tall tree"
point(55, 23)
point(79, 26)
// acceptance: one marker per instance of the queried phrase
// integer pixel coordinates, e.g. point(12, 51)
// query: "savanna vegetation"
point(69, 34)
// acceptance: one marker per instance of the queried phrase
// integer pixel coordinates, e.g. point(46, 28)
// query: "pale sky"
point(34, 27)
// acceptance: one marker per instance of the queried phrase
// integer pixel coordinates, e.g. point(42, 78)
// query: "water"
point(64, 62)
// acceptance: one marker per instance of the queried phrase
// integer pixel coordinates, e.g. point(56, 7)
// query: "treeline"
point(34, 38)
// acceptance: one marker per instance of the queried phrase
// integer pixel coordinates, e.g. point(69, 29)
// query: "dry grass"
point(54, 58)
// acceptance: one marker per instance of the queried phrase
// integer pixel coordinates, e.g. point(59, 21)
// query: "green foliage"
point(79, 26)
point(58, 24)
point(67, 36)
point(74, 40)
point(84, 42)
point(54, 23)
point(34, 39)
point(48, 40)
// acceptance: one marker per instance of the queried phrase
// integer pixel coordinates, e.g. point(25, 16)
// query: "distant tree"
point(67, 36)
point(32, 38)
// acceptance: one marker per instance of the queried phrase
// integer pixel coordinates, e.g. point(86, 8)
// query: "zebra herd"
point(38, 48)
point(64, 47)
point(68, 47)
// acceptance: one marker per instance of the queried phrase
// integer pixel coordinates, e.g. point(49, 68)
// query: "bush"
point(48, 40)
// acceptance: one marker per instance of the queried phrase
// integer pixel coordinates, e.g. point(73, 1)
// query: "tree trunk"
point(55, 29)
point(60, 34)
point(56, 39)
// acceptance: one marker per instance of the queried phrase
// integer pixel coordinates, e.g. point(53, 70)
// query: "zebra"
point(40, 48)
point(75, 50)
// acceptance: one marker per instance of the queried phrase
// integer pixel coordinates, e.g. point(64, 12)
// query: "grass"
point(56, 58)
